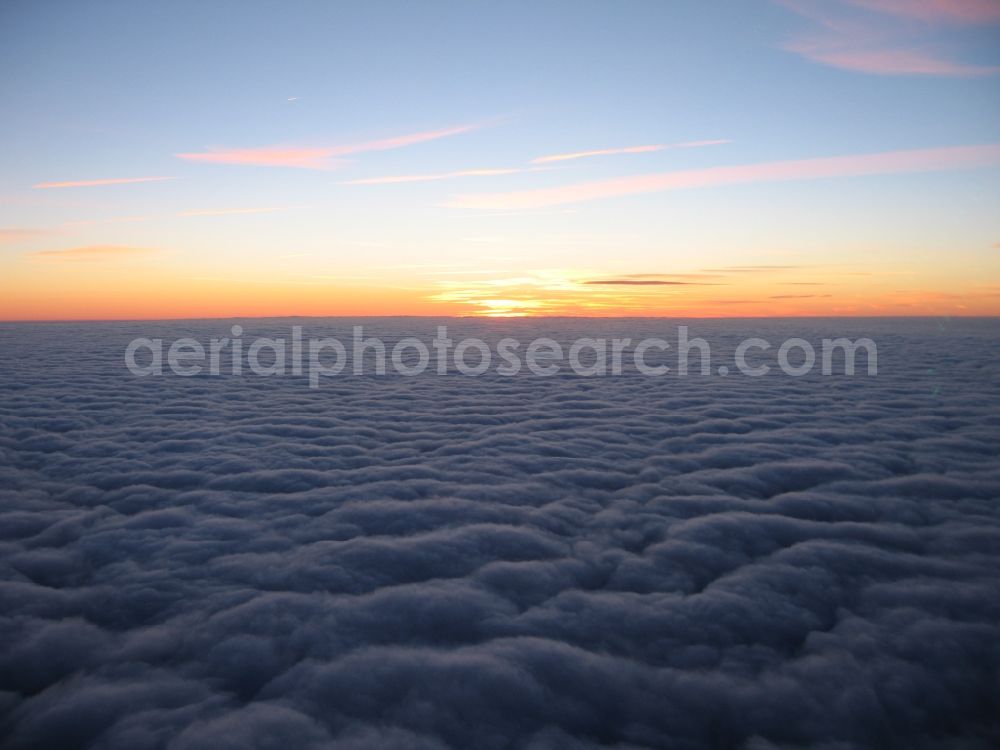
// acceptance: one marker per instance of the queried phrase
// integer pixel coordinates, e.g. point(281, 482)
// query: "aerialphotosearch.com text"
point(318, 358)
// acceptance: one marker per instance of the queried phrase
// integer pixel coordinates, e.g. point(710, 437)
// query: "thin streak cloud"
point(395, 179)
point(669, 276)
point(16, 234)
point(799, 296)
point(751, 269)
point(324, 157)
point(400, 141)
point(238, 211)
point(89, 253)
point(98, 183)
point(891, 162)
point(626, 150)
point(598, 152)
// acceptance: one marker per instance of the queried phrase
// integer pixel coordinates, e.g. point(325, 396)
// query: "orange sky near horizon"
point(106, 288)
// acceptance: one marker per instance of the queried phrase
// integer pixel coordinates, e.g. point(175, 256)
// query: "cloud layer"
point(454, 562)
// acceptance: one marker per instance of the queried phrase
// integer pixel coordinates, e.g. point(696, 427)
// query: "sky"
point(228, 159)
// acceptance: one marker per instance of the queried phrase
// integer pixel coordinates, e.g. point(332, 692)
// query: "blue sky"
point(116, 90)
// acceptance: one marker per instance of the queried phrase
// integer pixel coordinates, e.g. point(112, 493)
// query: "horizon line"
point(504, 317)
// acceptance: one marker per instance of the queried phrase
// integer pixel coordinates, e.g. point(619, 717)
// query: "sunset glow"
point(458, 189)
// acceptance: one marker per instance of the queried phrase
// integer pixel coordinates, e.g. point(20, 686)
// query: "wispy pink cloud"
point(891, 62)
point(625, 150)
point(956, 157)
point(324, 157)
point(16, 234)
point(599, 152)
point(394, 179)
point(99, 183)
point(699, 144)
point(237, 211)
point(400, 141)
point(109, 220)
point(949, 11)
point(267, 156)
point(889, 37)
point(89, 253)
